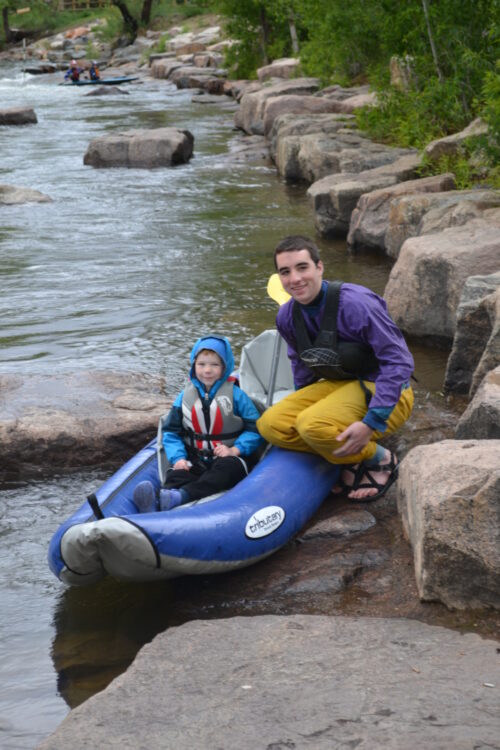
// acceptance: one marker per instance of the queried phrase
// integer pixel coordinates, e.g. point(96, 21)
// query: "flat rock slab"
point(76, 419)
point(18, 116)
point(349, 521)
point(279, 683)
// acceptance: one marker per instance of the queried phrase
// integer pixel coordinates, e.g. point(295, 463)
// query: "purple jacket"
point(362, 317)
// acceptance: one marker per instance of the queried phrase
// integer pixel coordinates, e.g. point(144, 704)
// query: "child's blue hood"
point(221, 346)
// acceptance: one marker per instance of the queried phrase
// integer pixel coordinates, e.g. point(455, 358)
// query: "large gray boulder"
point(289, 125)
point(416, 214)
point(12, 195)
point(369, 220)
point(208, 60)
point(481, 419)
point(246, 149)
point(313, 156)
point(352, 103)
point(18, 116)
point(451, 145)
point(188, 42)
point(107, 91)
point(189, 77)
point(334, 198)
point(76, 419)
point(252, 112)
point(164, 67)
point(425, 284)
point(448, 498)
point(161, 147)
point(304, 682)
point(295, 104)
point(476, 344)
point(237, 89)
point(338, 92)
point(285, 67)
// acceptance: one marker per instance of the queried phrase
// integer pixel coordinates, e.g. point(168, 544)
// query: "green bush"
point(243, 58)
point(415, 117)
point(491, 112)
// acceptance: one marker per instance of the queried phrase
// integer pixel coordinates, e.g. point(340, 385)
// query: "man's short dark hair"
point(294, 243)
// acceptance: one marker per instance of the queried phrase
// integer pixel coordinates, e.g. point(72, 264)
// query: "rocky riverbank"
point(445, 282)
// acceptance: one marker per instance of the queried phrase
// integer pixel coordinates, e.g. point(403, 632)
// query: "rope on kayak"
point(94, 504)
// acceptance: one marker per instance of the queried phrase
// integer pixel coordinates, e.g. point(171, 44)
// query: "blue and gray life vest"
point(223, 425)
point(207, 423)
point(327, 357)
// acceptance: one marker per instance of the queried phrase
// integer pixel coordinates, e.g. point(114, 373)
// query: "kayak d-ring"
point(94, 504)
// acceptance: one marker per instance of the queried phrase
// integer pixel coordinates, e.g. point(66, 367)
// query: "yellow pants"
point(311, 418)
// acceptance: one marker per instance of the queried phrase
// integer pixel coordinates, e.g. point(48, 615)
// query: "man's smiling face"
point(300, 275)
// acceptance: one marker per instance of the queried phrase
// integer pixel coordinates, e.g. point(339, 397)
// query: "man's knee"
point(313, 429)
point(265, 427)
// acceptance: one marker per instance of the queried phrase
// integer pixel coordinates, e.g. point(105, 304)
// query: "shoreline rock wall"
point(440, 238)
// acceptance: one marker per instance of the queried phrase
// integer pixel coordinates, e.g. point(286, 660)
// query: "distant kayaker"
point(351, 367)
point(94, 74)
point(209, 436)
point(73, 72)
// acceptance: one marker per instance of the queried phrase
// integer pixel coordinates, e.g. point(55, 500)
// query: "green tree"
point(264, 30)
point(450, 47)
point(8, 7)
point(130, 22)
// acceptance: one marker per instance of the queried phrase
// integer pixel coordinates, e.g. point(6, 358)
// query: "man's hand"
point(356, 436)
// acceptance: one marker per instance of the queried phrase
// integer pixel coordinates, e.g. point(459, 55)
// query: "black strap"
point(366, 391)
point(94, 504)
point(207, 436)
point(327, 336)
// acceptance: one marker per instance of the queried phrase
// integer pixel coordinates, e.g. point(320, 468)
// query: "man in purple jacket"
point(351, 368)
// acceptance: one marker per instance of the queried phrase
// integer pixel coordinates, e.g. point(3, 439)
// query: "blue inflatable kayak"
point(244, 525)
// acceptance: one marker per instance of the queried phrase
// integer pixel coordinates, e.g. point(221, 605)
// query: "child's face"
point(208, 368)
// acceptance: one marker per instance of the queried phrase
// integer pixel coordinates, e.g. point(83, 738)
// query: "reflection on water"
point(122, 271)
point(99, 630)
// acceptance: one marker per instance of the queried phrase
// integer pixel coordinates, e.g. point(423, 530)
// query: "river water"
point(122, 271)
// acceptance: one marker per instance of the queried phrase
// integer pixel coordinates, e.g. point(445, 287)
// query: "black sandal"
point(363, 472)
point(344, 487)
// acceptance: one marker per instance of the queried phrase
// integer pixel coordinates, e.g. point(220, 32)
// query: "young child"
point(94, 74)
point(209, 435)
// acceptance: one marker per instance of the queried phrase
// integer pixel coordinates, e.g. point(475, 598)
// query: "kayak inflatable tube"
point(102, 81)
point(213, 535)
